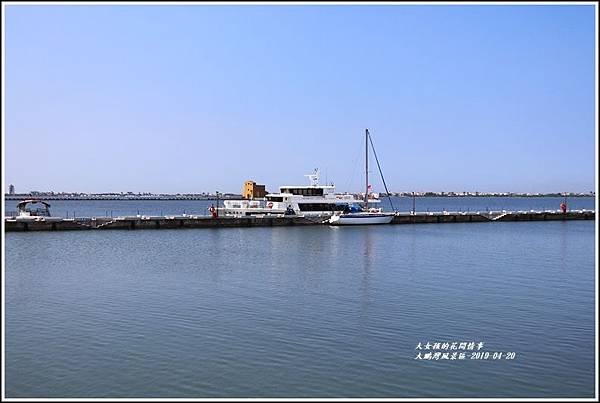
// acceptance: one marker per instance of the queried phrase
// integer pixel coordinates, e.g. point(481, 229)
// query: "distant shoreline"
point(233, 196)
point(513, 195)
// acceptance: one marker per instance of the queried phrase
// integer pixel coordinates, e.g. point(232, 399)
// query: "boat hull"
point(361, 219)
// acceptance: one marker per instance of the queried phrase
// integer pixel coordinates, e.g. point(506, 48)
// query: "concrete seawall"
point(434, 218)
point(176, 222)
point(131, 223)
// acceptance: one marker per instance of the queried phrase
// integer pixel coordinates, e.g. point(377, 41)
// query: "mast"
point(366, 168)
point(381, 173)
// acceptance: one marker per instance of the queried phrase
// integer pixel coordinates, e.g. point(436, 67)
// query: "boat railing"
point(37, 212)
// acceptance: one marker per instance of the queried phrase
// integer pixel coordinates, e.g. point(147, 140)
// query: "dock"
point(191, 221)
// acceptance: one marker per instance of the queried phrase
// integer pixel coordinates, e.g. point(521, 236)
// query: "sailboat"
point(356, 215)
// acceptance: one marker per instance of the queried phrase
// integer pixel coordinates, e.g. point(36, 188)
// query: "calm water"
point(102, 208)
point(293, 312)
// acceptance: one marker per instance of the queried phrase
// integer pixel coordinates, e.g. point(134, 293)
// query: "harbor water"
point(302, 311)
point(107, 208)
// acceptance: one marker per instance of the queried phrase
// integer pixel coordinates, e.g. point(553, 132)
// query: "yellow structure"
point(253, 191)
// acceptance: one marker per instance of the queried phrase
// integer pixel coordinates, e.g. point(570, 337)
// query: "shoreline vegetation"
point(208, 196)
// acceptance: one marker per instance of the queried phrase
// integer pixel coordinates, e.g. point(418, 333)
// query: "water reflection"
point(367, 268)
point(298, 311)
point(563, 238)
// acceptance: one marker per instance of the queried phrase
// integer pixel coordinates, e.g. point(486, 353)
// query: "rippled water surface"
point(102, 208)
point(292, 312)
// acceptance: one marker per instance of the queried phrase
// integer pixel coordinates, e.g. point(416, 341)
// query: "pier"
point(191, 221)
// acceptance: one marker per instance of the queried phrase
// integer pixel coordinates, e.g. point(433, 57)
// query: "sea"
point(493, 309)
point(115, 208)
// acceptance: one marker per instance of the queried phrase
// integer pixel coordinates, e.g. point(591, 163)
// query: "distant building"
point(253, 191)
point(11, 189)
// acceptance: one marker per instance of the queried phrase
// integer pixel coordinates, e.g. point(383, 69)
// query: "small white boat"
point(355, 215)
point(25, 211)
point(361, 218)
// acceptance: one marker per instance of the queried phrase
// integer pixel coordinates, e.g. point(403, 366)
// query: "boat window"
point(320, 207)
point(274, 198)
point(303, 191)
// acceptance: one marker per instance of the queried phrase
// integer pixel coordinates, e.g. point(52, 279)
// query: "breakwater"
point(186, 221)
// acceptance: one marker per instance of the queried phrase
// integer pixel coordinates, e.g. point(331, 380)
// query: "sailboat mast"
point(366, 168)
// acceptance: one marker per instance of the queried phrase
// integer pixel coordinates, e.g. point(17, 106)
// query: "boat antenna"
point(380, 172)
point(314, 177)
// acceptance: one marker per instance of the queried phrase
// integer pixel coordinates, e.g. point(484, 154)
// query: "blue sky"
point(199, 98)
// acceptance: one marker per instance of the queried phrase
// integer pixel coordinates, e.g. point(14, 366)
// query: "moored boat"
point(313, 200)
point(26, 211)
point(355, 215)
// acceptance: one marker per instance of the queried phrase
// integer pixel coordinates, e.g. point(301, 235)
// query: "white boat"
point(354, 214)
point(27, 213)
point(240, 208)
point(312, 200)
point(361, 218)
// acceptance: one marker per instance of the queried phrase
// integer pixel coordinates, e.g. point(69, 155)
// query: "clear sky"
point(193, 98)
